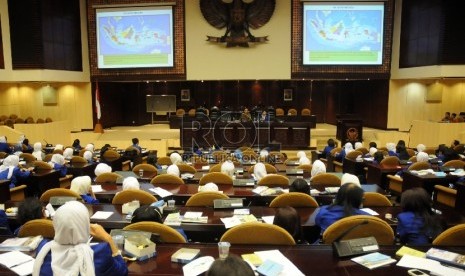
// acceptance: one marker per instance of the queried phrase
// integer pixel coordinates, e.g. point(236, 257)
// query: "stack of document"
point(237, 219)
point(18, 262)
point(374, 260)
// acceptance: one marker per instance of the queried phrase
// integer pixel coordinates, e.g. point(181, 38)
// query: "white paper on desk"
point(314, 192)
point(101, 215)
point(24, 269)
point(14, 258)
point(241, 211)
point(231, 222)
point(190, 215)
point(370, 211)
point(205, 168)
point(97, 188)
point(161, 192)
point(268, 219)
point(260, 189)
point(433, 266)
point(278, 257)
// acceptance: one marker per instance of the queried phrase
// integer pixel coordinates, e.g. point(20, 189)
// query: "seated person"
point(318, 167)
point(288, 219)
point(391, 147)
point(304, 161)
point(228, 168)
point(259, 171)
point(173, 170)
point(68, 153)
point(152, 213)
point(420, 148)
point(90, 147)
point(446, 154)
point(4, 225)
point(58, 164)
point(131, 183)
point(264, 117)
point(245, 116)
point(175, 158)
point(102, 168)
point(104, 149)
point(26, 147)
point(350, 178)
point(331, 144)
point(372, 145)
point(421, 157)
point(31, 208)
point(82, 185)
point(69, 253)
point(371, 152)
point(347, 203)
point(417, 224)
point(301, 154)
point(231, 266)
point(135, 144)
point(89, 157)
point(10, 170)
point(76, 146)
point(209, 187)
point(402, 152)
point(4, 147)
point(446, 117)
point(300, 185)
point(38, 153)
point(342, 155)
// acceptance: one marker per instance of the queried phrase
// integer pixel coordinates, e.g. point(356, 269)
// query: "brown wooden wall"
point(124, 103)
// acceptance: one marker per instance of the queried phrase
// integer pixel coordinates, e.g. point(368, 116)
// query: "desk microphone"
point(345, 233)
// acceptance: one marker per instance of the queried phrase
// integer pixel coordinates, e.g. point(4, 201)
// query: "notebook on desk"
point(228, 203)
point(243, 182)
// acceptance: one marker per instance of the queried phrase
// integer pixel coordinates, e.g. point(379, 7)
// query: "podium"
point(349, 129)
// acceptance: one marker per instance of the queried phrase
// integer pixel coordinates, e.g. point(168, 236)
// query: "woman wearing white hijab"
point(69, 253)
point(372, 151)
point(38, 153)
point(391, 147)
point(259, 171)
point(9, 170)
point(88, 156)
point(90, 147)
point(68, 153)
point(347, 148)
point(227, 168)
point(58, 164)
point(358, 145)
point(301, 154)
point(173, 170)
point(4, 147)
point(131, 183)
point(318, 167)
point(304, 161)
point(422, 157)
point(82, 186)
point(209, 187)
point(102, 168)
point(350, 178)
point(175, 158)
point(421, 147)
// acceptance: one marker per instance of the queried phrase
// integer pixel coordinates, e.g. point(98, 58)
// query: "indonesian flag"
point(97, 103)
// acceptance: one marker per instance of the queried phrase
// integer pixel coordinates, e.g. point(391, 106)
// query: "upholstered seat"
point(445, 195)
point(305, 112)
point(166, 179)
point(36, 227)
point(294, 199)
point(457, 164)
point(45, 197)
point(166, 233)
point(373, 199)
point(279, 112)
point(42, 165)
point(217, 178)
point(111, 155)
point(126, 196)
point(305, 167)
point(274, 180)
point(354, 154)
point(28, 157)
point(108, 177)
point(375, 227)
point(164, 161)
point(78, 159)
point(258, 233)
point(184, 168)
point(323, 180)
point(18, 193)
point(390, 161)
point(145, 168)
point(292, 112)
point(454, 236)
point(204, 199)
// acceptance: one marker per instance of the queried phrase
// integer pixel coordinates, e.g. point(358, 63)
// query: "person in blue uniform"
point(31, 208)
point(82, 186)
point(4, 147)
point(58, 164)
point(69, 253)
point(418, 224)
point(135, 144)
point(9, 170)
point(347, 203)
point(331, 144)
point(76, 145)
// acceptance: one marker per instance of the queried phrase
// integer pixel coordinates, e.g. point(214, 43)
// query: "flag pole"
point(98, 126)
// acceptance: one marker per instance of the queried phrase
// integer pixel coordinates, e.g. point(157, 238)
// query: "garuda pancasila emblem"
point(238, 16)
